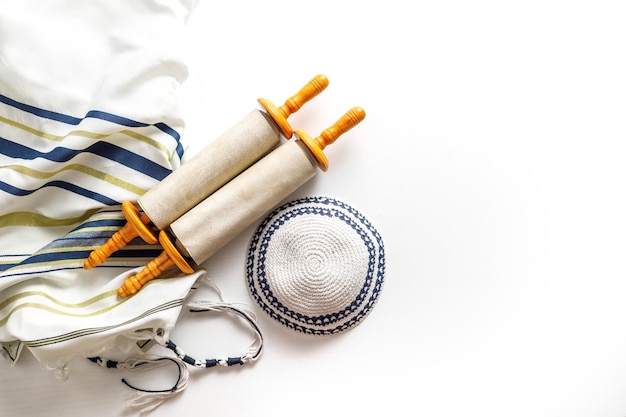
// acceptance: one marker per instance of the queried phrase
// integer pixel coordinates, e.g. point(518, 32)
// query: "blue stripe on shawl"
point(102, 149)
point(96, 114)
point(60, 184)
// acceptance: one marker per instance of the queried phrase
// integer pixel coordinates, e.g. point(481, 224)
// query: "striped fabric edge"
point(95, 330)
point(78, 168)
point(13, 349)
point(97, 305)
point(71, 250)
point(32, 219)
point(39, 164)
point(102, 149)
point(89, 134)
point(94, 114)
point(94, 161)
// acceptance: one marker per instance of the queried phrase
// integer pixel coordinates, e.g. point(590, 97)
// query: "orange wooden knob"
point(315, 86)
point(352, 118)
point(168, 258)
point(136, 225)
point(154, 268)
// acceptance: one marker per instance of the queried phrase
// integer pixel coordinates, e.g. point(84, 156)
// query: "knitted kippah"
point(316, 265)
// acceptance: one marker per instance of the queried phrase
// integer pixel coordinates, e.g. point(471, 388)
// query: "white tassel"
point(59, 369)
point(256, 347)
point(243, 311)
point(145, 401)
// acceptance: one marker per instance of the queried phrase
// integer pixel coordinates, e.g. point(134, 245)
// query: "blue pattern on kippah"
point(297, 321)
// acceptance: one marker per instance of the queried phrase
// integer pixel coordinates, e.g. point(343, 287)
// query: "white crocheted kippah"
point(316, 265)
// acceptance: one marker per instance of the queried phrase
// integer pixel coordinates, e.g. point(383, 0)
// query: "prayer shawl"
point(89, 117)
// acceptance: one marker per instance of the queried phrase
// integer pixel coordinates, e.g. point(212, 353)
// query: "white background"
point(491, 161)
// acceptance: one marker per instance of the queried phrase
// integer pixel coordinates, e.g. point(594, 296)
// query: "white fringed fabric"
point(89, 117)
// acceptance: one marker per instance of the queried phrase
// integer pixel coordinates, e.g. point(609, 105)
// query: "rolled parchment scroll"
point(203, 230)
point(212, 167)
point(219, 162)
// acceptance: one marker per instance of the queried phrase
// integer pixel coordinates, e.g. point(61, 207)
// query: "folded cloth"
point(89, 117)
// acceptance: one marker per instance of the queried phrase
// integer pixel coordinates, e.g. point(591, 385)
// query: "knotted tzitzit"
point(316, 265)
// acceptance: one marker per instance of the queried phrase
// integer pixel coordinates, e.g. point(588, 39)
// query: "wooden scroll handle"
point(352, 118)
point(280, 114)
point(136, 225)
point(168, 258)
